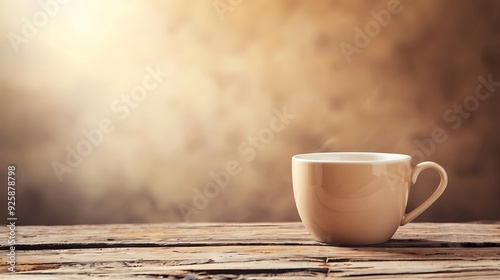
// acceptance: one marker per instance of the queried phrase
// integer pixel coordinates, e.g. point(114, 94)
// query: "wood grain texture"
point(250, 251)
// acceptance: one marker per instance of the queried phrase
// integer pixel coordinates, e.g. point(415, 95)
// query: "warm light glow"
point(188, 87)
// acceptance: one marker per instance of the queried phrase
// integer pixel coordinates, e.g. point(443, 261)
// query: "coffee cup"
point(357, 198)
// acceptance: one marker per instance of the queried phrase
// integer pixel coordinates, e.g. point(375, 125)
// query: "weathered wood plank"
point(185, 234)
point(274, 266)
point(278, 259)
point(252, 251)
point(482, 275)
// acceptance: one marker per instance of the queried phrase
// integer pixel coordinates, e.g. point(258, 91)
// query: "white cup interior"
point(351, 157)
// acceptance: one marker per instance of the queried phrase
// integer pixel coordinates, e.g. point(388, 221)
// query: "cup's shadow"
point(420, 250)
point(423, 243)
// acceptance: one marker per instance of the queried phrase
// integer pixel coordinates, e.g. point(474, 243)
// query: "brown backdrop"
point(173, 92)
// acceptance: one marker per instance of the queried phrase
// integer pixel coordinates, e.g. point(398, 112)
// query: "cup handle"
point(437, 193)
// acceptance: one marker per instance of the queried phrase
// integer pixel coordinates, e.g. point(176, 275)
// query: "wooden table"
point(249, 251)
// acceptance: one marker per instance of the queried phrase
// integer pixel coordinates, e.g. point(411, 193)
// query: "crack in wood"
point(406, 274)
point(275, 271)
point(63, 246)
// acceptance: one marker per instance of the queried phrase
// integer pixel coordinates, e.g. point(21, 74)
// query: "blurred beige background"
point(173, 92)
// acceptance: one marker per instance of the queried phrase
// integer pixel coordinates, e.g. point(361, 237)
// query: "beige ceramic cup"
point(357, 198)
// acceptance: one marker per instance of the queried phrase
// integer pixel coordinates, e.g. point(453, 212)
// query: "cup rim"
point(351, 157)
